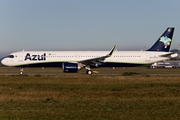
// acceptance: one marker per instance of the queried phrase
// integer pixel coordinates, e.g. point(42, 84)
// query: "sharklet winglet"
point(112, 51)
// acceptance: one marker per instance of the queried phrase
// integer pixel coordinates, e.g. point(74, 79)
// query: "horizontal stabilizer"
point(169, 55)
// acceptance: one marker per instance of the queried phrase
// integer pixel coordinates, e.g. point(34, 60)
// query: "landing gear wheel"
point(21, 73)
point(89, 72)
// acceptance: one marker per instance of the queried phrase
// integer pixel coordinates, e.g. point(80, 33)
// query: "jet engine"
point(70, 67)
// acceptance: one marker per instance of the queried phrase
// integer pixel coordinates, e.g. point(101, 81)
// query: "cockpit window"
point(11, 56)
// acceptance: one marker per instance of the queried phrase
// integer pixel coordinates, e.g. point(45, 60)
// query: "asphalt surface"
point(82, 74)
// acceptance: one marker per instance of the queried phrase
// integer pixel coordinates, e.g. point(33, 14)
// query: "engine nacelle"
point(70, 67)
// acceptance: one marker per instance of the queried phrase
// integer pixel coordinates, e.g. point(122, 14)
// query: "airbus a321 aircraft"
point(72, 61)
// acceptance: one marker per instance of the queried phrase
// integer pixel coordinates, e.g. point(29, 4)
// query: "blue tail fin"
point(164, 42)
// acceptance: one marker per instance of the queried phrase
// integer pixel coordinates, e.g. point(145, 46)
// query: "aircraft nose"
point(4, 62)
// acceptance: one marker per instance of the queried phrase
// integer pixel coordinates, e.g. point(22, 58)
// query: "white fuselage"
point(56, 58)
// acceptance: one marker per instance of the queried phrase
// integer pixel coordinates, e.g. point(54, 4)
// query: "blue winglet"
point(112, 50)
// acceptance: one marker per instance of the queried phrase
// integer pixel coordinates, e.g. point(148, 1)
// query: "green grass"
point(90, 97)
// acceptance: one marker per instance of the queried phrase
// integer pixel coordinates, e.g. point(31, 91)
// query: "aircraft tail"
point(164, 42)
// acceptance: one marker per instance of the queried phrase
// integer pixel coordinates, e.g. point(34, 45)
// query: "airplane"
point(72, 61)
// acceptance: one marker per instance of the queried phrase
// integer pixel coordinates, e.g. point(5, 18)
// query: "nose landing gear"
point(21, 71)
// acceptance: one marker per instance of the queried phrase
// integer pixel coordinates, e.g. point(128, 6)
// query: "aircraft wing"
point(95, 61)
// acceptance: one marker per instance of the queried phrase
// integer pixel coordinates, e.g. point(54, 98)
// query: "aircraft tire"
point(21, 73)
point(89, 72)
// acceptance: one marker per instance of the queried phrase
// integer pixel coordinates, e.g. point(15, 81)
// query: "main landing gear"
point(89, 71)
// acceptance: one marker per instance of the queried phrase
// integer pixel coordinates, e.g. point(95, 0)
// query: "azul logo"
point(35, 57)
point(166, 41)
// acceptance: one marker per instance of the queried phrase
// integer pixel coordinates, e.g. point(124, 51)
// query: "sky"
point(40, 25)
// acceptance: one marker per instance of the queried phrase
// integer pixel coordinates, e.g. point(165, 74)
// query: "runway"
point(56, 74)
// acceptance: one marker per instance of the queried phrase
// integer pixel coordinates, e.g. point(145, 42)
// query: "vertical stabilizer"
point(164, 42)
